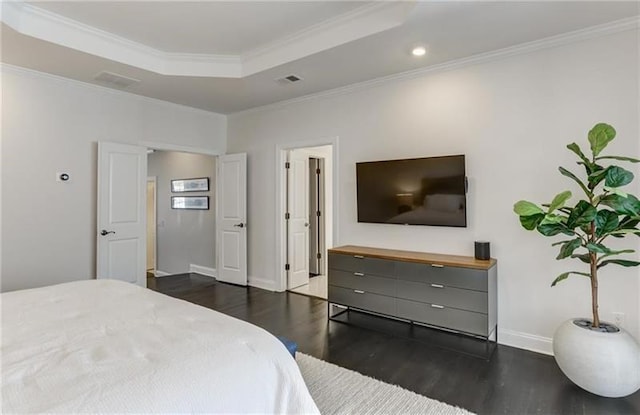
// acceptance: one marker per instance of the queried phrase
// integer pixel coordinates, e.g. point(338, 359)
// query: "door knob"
point(239, 225)
point(105, 232)
point(306, 224)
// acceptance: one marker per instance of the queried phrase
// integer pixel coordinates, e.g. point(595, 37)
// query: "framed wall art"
point(190, 202)
point(190, 185)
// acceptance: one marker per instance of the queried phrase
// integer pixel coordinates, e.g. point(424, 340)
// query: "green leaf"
point(567, 249)
point(615, 191)
point(531, 222)
point(576, 149)
point(629, 205)
point(525, 208)
point(599, 136)
point(596, 177)
point(606, 221)
point(601, 249)
point(624, 251)
point(582, 257)
point(631, 159)
point(625, 232)
point(552, 229)
point(628, 222)
point(582, 214)
point(567, 173)
point(623, 262)
point(598, 248)
point(565, 275)
point(559, 200)
point(551, 218)
point(617, 177)
point(561, 242)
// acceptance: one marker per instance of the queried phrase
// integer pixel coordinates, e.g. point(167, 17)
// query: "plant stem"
point(593, 259)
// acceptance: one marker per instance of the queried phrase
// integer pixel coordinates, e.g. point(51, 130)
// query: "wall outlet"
point(618, 318)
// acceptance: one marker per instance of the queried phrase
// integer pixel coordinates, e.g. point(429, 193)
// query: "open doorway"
point(151, 226)
point(181, 227)
point(309, 218)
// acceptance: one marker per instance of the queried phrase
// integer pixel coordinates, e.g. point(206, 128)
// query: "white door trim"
point(281, 236)
point(154, 180)
point(184, 149)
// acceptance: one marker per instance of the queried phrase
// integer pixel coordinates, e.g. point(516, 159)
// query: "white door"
point(231, 218)
point(122, 189)
point(298, 223)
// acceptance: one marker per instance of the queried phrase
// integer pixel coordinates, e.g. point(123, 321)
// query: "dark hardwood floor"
point(425, 361)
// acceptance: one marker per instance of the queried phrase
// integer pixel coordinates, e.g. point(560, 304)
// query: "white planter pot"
point(604, 363)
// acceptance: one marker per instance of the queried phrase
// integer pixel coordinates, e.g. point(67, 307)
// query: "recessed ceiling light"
point(419, 51)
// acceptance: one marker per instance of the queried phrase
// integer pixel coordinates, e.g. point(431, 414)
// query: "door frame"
point(281, 200)
point(154, 180)
point(151, 145)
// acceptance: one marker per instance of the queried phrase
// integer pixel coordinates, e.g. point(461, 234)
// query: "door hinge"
point(318, 214)
point(319, 255)
point(317, 171)
point(287, 165)
point(286, 267)
point(287, 216)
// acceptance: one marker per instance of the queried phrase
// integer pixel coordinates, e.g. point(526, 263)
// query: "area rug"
point(337, 390)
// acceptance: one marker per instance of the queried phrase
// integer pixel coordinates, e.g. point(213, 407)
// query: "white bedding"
point(108, 346)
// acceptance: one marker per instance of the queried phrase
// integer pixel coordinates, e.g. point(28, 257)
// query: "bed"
point(108, 346)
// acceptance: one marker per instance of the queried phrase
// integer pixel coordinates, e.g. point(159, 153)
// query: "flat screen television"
point(420, 191)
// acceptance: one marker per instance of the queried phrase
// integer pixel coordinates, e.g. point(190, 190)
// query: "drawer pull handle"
point(437, 306)
point(437, 285)
point(359, 256)
point(437, 265)
point(358, 274)
point(358, 291)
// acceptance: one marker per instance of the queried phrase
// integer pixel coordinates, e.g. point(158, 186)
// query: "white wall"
point(512, 118)
point(51, 124)
point(184, 237)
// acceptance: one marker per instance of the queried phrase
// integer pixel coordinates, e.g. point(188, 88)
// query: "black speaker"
point(482, 250)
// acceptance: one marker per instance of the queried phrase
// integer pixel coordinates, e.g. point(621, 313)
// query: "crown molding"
point(359, 23)
point(617, 26)
point(51, 27)
point(19, 70)
point(42, 24)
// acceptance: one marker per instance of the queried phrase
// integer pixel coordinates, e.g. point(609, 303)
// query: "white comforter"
point(108, 346)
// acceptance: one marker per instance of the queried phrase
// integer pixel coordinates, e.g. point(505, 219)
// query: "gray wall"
point(183, 236)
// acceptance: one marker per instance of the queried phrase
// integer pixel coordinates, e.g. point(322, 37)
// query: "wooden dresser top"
point(420, 257)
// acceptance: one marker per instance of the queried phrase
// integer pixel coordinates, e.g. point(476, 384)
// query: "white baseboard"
point(525, 341)
point(262, 283)
point(159, 273)
point(198, 269)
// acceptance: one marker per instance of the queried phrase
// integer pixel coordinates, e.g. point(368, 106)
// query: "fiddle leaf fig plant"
point(605, 211)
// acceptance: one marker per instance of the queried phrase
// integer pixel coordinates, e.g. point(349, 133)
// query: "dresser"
point(447, 291)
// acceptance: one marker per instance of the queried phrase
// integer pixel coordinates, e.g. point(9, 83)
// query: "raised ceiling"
point(226, 56)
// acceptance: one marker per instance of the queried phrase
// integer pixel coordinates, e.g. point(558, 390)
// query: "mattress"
point(109, 346)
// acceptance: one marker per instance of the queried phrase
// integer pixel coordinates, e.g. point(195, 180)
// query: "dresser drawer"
point(365, 265)
point(433, 293)
point(472, 279)
point(364, 282)
point(451, 318)
point(362, 299)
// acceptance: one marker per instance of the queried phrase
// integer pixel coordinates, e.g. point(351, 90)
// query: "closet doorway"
point(308, 218)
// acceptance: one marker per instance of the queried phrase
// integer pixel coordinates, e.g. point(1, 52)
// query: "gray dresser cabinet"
point(452, 292)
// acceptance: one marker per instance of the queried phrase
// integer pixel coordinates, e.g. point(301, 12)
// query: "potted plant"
point(595, 355)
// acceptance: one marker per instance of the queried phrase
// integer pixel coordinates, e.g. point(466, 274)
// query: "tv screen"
point(421, 191)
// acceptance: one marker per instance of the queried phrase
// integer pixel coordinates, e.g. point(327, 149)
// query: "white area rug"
point(337, 390)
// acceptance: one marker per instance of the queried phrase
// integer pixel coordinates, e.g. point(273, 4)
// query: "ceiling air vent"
point(114, 80)
point(289, 79)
